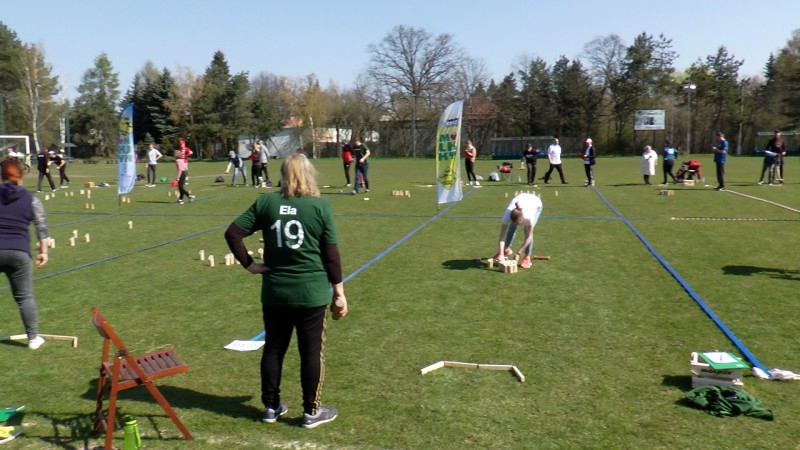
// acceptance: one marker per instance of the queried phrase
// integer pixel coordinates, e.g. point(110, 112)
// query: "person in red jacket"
point(347, 160)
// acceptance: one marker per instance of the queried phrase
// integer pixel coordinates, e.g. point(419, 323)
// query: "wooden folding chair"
point(126, 371)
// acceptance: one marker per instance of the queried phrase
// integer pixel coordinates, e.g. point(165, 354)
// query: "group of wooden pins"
point(399, 193)
point(507, 265)
point(516, 193)
point(230, 260)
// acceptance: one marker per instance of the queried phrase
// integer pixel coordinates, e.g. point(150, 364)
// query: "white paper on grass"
point(245, 346)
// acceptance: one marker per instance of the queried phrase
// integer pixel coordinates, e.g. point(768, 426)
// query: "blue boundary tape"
point(385, 252)
point(750, 357)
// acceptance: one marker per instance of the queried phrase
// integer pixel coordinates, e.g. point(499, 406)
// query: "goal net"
point(14, 145)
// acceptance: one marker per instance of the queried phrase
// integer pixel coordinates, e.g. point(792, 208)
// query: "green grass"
point(602, 332)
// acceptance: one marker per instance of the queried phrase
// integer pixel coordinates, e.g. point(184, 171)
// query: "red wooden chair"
point(125, 371)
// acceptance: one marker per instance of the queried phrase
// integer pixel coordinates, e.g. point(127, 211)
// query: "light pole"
point(414, 127)
point(689, 88)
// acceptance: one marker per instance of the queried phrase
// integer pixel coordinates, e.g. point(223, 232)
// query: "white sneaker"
point(35, 343)
point(476, 183)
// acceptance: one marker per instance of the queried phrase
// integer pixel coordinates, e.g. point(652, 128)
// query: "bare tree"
point(36, 89)
point(410, 60)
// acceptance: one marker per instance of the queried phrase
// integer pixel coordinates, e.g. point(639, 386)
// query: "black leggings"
point(668, 165)
point(470, 166)
point(279, 321)
point(182, 185)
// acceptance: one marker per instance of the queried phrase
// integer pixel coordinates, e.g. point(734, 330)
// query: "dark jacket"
point(18, 208)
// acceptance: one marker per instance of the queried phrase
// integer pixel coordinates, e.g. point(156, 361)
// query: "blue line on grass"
point(132, 252)
point(687, 288)
point(385, 252)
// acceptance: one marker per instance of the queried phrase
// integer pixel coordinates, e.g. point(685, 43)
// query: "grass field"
point(602, 332)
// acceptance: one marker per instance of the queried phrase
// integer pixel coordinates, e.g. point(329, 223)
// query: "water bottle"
point(132, 439)
point(519, 178)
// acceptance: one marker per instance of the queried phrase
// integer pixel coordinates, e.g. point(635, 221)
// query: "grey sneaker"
point(272, 415)
point(323, 415)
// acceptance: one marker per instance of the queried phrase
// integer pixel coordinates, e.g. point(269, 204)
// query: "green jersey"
point(294, 231)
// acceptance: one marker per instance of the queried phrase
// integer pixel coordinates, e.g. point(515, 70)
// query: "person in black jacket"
point(43, 164)
point(588, 154)
point(529, 156)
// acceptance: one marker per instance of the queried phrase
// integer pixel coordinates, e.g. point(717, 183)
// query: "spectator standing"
point(589, 154)
point(18, 209)
point(153, 155)
point(43, 165)
point(470, 155)
point(648, 165)
point(361, 154)
point(255, 167)
point(669, 153)
point(301, 264)
point(554, 158)
point(720, 159)
point(263, 156)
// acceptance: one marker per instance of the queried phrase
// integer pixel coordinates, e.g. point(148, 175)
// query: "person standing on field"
point(670, 153)
point(18, 209)
point(360, 154)
point(589, 154)
point(153, 155)
point(648, 166)
point(43, 165)
point(720, 159)
point(301, 264)
point(773, 154)
point(470, 155)
point(554, 158)
point(347, 160)
point(523, 210)
point(529, 157)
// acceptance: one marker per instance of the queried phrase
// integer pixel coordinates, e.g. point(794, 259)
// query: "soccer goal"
point(15, 145)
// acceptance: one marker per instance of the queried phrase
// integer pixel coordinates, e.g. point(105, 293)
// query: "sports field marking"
point(733, 218)
point(687, 288)
point(763, 200)
point(385, 252)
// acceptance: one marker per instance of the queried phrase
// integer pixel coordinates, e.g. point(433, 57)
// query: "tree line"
point(410, 77)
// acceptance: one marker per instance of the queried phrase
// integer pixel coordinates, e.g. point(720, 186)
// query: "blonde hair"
point(298, 177)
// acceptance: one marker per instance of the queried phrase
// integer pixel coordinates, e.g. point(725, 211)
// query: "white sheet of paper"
point(245, 346)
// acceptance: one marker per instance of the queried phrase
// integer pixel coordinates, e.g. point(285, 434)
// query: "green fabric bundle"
point(728, 401)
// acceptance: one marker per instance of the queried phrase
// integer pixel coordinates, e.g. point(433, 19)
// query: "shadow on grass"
point(782, 274)
point(682, 382)
point(463, 264)
point(74, 431)
point(231, 406)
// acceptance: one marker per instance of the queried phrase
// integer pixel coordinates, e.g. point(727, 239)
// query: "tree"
point(218, 111)
point(10, 46)
point(95, 112)
point(266, 109)
point(410, 60)
point(37, 86)
point(536, 96)
point(718, 93)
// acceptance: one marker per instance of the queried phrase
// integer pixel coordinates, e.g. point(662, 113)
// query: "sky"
point(330, 38)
